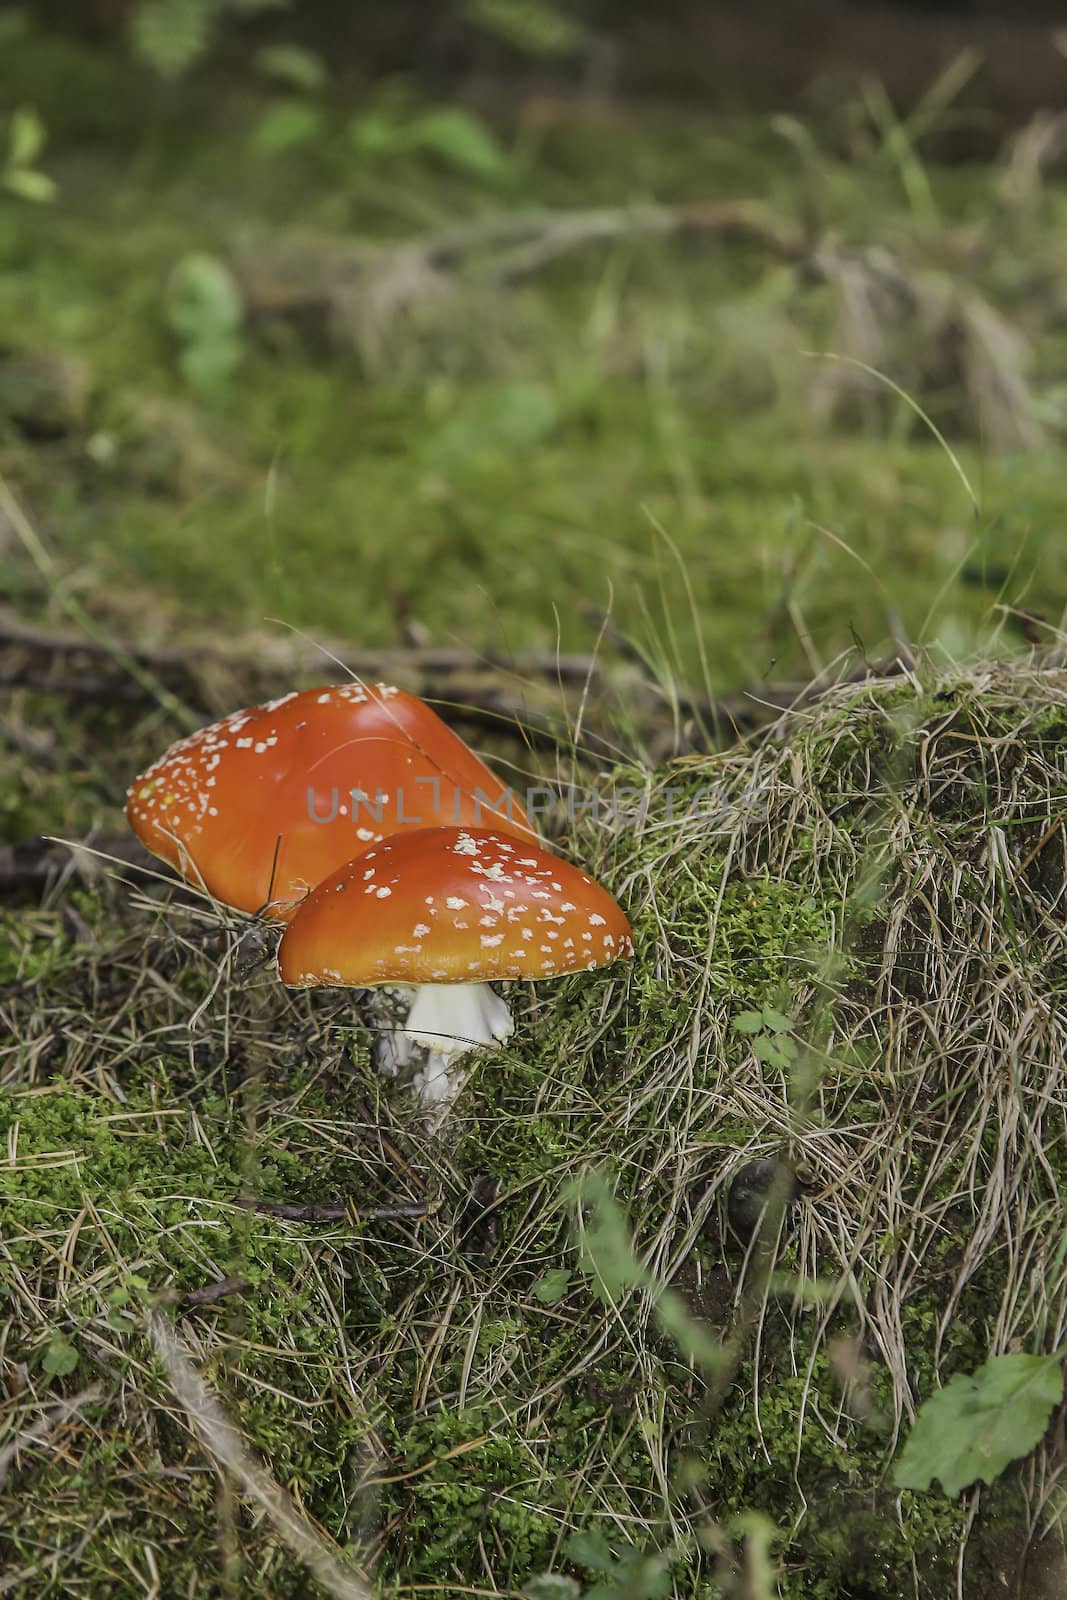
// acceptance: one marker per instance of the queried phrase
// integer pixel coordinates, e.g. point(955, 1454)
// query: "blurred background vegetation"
point(470, 322)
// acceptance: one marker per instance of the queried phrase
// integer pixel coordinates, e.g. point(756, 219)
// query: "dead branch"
point(300, 657)
point(743, 221)
point(529, 697)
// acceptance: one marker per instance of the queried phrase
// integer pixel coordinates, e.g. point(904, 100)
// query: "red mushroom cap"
point(452, 905)
point(259, 807)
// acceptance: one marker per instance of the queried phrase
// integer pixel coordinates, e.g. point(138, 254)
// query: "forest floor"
point(591, 393)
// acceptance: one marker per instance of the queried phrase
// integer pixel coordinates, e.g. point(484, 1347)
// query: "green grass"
point(510, 457)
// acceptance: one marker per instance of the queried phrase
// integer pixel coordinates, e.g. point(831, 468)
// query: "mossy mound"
point(435, 1376)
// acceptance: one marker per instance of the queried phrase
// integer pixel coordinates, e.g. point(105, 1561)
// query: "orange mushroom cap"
point(452, 906)
point(259, 806)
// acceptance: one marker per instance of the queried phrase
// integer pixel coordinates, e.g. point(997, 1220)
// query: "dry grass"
point(888, 868)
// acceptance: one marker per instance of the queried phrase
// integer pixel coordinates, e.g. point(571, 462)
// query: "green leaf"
point(588, 1548)
point(287, 126)
point(172, 35)
point(777, 1021)
point(377, 133)
point(60, 1358)
point(693, 1338)
point(207, 366)
point(462, 141)
point(980, 1421)
point(536, 27)
point(203, 300)
point(27, 137)
point(552, 1586)
point(803, 1291)
point(772, 1051)
point(29, 185)
point(290, 64)
point(504, 417)
point(605, 1253)
point(748, 1022)
point(552, 1285)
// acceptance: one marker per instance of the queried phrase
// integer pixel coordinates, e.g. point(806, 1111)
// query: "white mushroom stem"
point(447, 1020)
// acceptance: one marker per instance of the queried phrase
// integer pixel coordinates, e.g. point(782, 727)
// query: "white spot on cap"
point(495, 872)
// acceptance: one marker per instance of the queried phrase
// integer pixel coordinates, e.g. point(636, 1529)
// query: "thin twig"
point(341, 1211)
point(210, 1292)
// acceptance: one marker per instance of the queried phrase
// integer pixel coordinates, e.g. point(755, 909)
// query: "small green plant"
point(205, 312)
point(537, 28)
point(552, 1285)
point(609, 1262)
point(769, 1030)
point(60, 1357)
point(628, 1573)
point(173, 35)
point(297, 117)
point(19, 174)
point(393, 125)
point(980, 1421)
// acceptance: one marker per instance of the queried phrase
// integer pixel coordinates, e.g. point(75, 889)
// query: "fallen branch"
point(471, 691)
point(297, 656)
point(467, 689)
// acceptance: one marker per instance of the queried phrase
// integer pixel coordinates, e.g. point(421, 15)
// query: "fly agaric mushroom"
point(447, 910)
point(259, 807)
